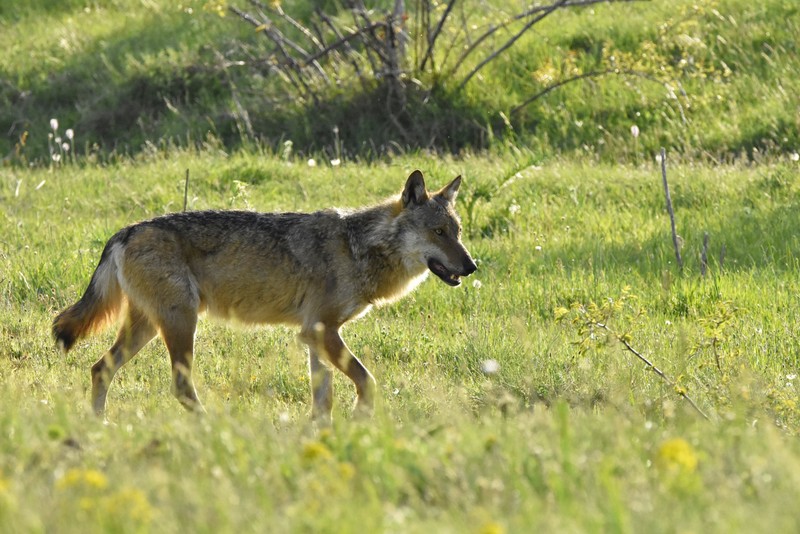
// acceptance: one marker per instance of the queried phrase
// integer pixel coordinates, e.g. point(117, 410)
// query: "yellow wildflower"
point(677, 455)
point(88, 478)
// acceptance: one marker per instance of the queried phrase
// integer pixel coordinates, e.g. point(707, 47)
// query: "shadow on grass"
point(148, 84)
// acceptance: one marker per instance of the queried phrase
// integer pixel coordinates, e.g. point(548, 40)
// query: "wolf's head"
point(431, 230)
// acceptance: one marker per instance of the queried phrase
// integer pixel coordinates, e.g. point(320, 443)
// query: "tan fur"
point(315, 270)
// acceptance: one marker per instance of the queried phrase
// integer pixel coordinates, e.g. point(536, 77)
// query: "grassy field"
point(514, 403)
point(571, 433)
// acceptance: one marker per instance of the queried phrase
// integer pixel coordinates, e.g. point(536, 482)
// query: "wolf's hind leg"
point(135, 333)
point(341, 356)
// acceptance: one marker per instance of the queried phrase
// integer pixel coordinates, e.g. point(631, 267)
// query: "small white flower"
point(667, 322)
point(69, 133)
point(65, 146)
point(312, 162)
point(791, 376)
point(54, 124)
point(58, 139)
point(490, 367)
point(513, 209)
point(56, 157)
point(794, 156)
point(336, 162)
point(537, 247)
point(635, 131)
point(476, 284)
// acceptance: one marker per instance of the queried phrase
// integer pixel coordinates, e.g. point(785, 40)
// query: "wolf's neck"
point(385, 273)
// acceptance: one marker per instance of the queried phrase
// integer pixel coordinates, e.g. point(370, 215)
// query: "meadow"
point(513, 403)
point(498, 409)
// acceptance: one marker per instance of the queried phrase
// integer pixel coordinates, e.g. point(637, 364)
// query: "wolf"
point(313, 270)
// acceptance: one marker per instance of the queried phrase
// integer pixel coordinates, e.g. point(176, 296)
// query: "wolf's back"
point(99, 304)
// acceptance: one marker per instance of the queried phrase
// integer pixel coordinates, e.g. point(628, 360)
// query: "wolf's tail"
point(99, 304)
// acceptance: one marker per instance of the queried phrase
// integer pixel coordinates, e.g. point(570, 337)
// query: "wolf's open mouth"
point(449, 278)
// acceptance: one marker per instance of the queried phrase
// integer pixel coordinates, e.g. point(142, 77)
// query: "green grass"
point(571, 434)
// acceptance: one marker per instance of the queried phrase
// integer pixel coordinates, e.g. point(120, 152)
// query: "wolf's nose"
point(470, 267)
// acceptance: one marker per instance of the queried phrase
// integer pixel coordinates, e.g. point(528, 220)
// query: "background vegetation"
point(504, 406)
point(714, 79)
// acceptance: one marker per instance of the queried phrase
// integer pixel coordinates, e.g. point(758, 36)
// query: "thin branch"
point(305, 31)
point(281, 42)
point(344, 39)
point(350, 51)
point(653, 368)
point(553, 87)
point(525, 14)
point(435, 35)
point(368, 47)
point(551, 8)
point(596, 74)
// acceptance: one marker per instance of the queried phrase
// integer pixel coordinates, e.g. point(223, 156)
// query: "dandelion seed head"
point(312, 162)
point(70, 133)
point(490, 367)
point(476, 284)
point(54, 124)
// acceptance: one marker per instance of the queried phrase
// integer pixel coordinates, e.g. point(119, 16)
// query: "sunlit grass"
point(553, 435)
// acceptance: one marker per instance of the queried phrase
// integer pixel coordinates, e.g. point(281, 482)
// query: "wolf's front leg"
point(321, 386)
point(340, 355)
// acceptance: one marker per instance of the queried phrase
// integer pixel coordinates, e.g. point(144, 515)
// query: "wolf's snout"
point(469, 267)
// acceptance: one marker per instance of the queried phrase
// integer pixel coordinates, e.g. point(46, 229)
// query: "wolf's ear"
point(414, 192)
point(450, 191)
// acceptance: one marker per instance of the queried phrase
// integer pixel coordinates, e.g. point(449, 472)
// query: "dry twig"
point(679, 390)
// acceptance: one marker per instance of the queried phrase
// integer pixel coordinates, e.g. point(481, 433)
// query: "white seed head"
point(490, 367)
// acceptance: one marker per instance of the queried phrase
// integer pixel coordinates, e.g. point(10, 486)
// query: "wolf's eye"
point(439, 231)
